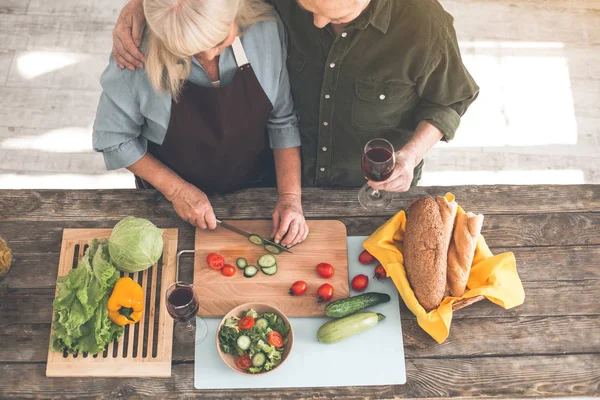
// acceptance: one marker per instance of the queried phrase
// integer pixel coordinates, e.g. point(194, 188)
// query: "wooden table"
point(549, 346)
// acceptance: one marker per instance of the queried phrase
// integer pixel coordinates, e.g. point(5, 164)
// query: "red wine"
point(377, 164)
point(182, 304)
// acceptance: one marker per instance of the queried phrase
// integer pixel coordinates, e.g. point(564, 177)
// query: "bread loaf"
point(462, 250)
point(424, 253)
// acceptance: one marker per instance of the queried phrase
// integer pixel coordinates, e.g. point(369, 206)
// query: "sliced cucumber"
point(243, 342)
point(261, 324)
point(266, 261)
point(241, 263)
point(272, 249)
point(259, 360)
point(256, 239)
point(269, 270)
point(250, 271)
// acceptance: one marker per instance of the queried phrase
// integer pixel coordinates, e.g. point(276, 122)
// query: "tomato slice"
point(246, 323)
point(244, 362)
point(276, 339)
point(215, 261)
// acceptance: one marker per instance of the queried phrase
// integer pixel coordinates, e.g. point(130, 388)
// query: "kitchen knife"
point(247, 234)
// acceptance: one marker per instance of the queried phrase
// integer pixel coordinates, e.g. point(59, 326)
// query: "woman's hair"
point(178, 29)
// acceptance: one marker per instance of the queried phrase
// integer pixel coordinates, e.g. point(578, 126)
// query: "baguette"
point(424, 254)
point(448, 212)
point(462, 250)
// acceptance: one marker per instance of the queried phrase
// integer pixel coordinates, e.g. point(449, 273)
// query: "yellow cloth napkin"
point(494, 277)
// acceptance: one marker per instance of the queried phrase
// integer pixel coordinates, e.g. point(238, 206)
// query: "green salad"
point(257, 340)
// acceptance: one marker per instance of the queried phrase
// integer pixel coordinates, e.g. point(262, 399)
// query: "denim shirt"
point(131, 112)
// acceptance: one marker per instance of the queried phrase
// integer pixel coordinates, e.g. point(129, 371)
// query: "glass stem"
point(189, 326)
point(375, 193)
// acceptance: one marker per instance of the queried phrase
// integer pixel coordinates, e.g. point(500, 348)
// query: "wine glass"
point(182, 305)
point(377, 164)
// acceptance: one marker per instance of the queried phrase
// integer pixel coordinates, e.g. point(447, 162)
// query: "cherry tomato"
point(380, 273)
point(246, 323)
point(298, 288)
point(325, 292)
point(366, 258)
point(216, 261)
point(276, 339)
point(360, 282)
point(228, 270)
point(325, 270)
point(244, 362)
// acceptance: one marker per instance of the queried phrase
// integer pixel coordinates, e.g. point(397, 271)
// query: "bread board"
point(219, 294)
point(145, 349)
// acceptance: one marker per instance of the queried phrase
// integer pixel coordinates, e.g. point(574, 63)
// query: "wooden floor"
point(537, 119)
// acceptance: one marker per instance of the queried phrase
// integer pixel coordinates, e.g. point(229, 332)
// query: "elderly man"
point(360, 69)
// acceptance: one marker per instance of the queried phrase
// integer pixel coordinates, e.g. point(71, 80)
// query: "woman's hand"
point(289, 225)
point(402, 177)
point(127, 36)
point(192, 205)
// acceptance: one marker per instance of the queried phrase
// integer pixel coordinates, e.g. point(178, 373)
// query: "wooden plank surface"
point(543, 348)
point(75, 71)
point(220, 294)
point(50, 108)
point(504, 377)
point(59, 205)
point(506, 231)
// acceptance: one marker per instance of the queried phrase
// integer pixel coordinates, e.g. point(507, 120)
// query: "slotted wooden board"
point(219, 294)
point(140, 352)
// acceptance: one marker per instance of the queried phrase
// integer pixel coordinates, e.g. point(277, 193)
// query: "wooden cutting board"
point(145, 349)
point(219, 294)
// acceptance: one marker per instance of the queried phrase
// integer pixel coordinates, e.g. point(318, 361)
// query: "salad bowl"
point(259, 342)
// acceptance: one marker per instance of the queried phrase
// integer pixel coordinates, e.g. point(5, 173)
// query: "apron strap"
point(239, 53)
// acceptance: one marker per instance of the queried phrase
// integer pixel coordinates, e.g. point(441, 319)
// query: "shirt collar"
point(378, 14)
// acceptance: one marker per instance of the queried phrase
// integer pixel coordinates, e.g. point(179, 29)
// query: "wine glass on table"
point(182, 305)
point(377, 164)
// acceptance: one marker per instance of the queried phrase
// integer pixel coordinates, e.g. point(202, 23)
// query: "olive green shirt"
point(395, 65)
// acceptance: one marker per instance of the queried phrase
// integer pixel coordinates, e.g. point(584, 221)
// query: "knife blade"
point(247, 234)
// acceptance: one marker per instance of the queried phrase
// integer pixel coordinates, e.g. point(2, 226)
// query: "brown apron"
point(216, 137)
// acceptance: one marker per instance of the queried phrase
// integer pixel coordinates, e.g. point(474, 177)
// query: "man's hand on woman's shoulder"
point(127, 36)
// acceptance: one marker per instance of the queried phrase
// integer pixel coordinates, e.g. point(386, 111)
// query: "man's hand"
point(289, 225)
point(192, 205)
point(127, 36)
point(402, 177)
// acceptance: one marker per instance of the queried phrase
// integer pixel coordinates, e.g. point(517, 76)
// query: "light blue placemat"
point(375, 357)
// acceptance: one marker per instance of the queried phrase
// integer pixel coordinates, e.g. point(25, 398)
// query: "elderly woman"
point(212, 111)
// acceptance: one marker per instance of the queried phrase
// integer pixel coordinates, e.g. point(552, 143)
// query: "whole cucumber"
point(343, 328)
point(341, 308)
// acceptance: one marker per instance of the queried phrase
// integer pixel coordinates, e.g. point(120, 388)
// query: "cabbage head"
point(135, 244)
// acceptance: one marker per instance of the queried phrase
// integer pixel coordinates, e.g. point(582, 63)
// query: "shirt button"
point(332, 65)
point(344, 34)
point(325, 123)
point(382, 97)
point(324, 148)
point(322, 169)
point(327, 96)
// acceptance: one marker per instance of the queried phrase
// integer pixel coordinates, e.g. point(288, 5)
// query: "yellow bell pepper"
point(126, 303)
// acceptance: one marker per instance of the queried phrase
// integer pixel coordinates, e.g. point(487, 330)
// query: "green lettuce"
point(81, 323)
point(228, 336)
point(276, 323)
